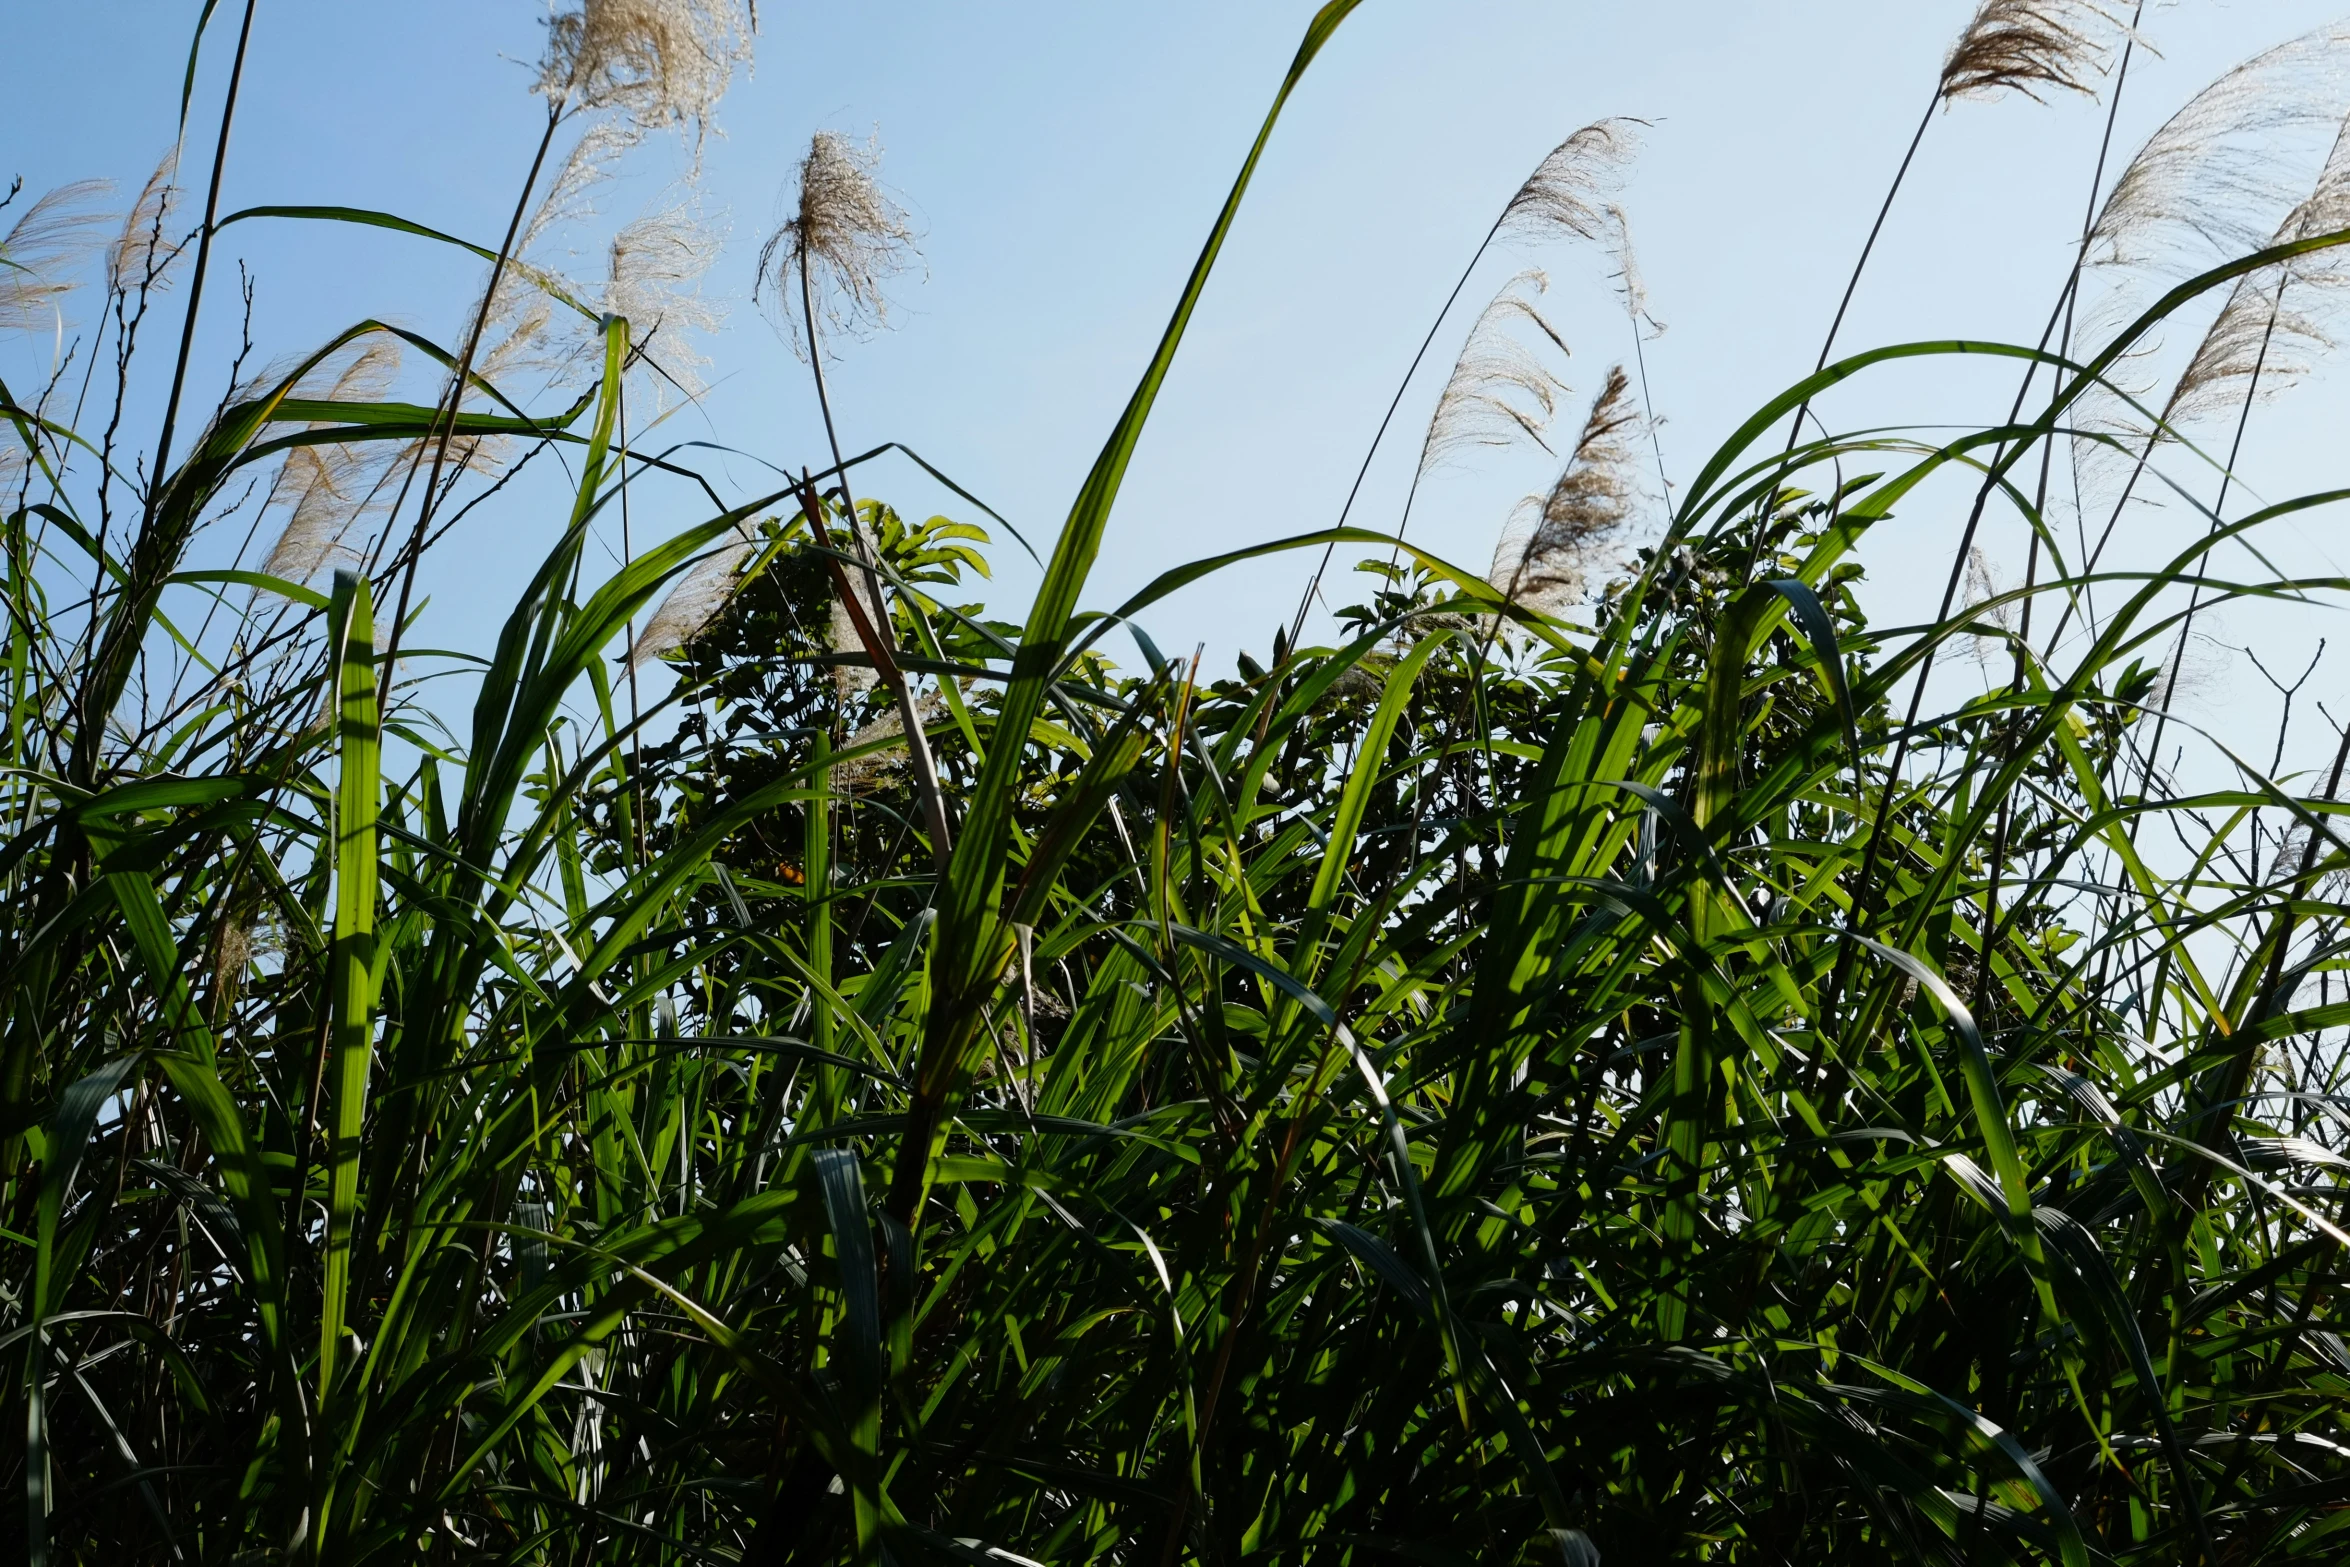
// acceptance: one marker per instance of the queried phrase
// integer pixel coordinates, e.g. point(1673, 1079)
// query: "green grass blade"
point(357, 796)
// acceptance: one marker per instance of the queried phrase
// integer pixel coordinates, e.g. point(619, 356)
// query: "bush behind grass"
point(1509, 1086)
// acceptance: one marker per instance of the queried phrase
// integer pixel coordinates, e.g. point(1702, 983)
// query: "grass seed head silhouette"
point(1568, 191)
point(1499, 391)
point(328, 488)
point(2032, 47)
point(660, 64)
point(1544, 565)
point(41, 257)
point(697, 599)
point(844, 239)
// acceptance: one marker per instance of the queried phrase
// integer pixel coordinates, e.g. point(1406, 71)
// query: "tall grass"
point(1552, 1077)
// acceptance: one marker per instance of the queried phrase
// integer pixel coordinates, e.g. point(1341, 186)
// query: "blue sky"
point(1063, 162)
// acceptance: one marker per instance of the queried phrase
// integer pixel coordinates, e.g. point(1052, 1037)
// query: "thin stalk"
point(1868, 247)
point(1314, 584)
point(1664, 493)
point(179, 374)
point(105, 684)
point(2227, 476)
point(445, 418)
point(2064, 348)
point(909, 715)
point(1876, 839)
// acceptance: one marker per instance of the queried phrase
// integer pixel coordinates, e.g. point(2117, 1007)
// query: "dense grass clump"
point(1609, 1062)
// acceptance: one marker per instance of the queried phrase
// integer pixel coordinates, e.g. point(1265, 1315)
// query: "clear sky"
point(1063, 162)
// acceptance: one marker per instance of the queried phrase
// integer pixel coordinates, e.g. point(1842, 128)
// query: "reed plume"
point(697, 599)
point(2008, 45)
point(2031, 47)
point(2216, 179)
point(1982, 585)
point(1499, 390)
point(518, 322)
point(43, 253)
point(2276, 321)
point(143, 249)
point(329, 487)
point(1630, 283)
point(658, 63)
point(1544, 565)
point(1567, 192)
point(844, 239)
point(655, 263)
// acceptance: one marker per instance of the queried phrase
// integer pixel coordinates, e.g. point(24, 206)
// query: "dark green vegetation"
point(1504, 1088)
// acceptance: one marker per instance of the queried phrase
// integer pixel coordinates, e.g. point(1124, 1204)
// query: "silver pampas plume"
point(1544, 565)
point(1567, 192)
point(328, 488)
point(2031, 47)
point(43, 251)
point(2276, 320)
point(520, 331)
point(2218, 179)
point(142, 252)
point(697, 599)
point(1982, 585)
point(1629, 281)
point(843, 239)
point(657, 63)
point(656, 264)
point(1499, 391)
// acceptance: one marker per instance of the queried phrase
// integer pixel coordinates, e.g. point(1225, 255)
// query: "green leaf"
point(353, 961)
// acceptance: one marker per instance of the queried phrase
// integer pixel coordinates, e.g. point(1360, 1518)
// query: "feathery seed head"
point(844, 237)
point(1568, 189)
point(1545, 565)
point(142, 253)
point(2219, 176)
point(328, 488)
point(698, 598)
point(1629, 280)
point(2279, 320)
point(2195, 667)
point(656, 262)
point(1499, 390)
point(519, 328)
point(658, 63)
point(2031, 46)
point(1982, 584)
point(43, 251)
point(2226, 174)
